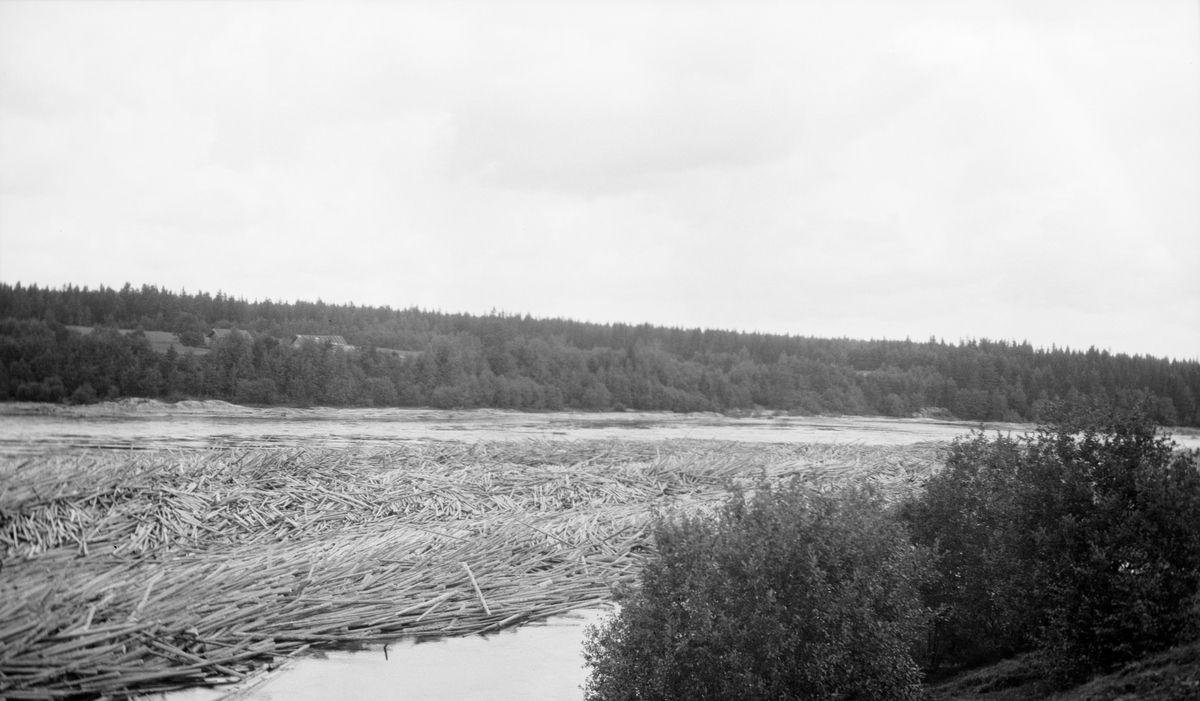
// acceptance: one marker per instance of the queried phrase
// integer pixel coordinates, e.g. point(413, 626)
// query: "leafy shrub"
point(968, 514)
point(84, 394)
point(192, 338)
point(48, 390)
point(785, 595)
point(1081, 541)
point(261, 391)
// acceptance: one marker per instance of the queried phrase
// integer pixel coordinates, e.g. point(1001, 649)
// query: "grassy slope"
point(1173, 675)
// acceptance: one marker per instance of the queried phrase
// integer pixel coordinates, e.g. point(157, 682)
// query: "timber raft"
point(126, 573)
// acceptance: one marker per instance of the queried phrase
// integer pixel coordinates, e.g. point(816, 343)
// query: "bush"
point(84, 394)
point(967, 515)
point(381, 391)
point(260, 391)
point(192, 338)
point(785, 595)
point(1081, 542)
point(48, 390)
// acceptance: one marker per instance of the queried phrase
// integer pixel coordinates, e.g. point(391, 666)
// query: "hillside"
point(413, 357)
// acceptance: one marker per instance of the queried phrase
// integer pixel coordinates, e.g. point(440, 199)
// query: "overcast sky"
point(1022, 171)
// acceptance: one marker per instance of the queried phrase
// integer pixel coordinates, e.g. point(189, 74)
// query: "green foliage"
point(786, 595)
point(1081, 542)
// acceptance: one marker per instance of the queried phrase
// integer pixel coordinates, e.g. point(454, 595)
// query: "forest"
point(519, 362)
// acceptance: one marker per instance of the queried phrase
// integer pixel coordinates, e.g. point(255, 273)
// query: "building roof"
point(401, 354)
point(309, 338)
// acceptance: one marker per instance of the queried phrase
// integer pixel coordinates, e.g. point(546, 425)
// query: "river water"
point(148, 425)
point(142, 425)
point(541, 661)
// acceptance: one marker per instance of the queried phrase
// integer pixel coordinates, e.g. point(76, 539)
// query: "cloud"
point(988, 169)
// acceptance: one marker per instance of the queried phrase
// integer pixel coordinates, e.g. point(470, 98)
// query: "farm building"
point(401, 354)
point(339, 343)
point(161, 341)
point(336, 341)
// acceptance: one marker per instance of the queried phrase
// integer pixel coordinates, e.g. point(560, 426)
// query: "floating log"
point(125, 573)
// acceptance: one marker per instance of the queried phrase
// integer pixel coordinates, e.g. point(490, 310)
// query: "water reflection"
point(537, 661)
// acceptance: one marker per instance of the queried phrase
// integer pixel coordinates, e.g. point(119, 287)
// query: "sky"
point(1023, 171)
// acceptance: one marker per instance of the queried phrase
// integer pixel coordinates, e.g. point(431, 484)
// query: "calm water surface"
point(26, 428)
point(541, 661)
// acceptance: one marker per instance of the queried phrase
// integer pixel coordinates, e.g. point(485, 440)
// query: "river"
point(148, 425)
point(535, 661)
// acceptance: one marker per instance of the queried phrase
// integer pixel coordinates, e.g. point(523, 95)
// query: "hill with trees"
point(520, 362)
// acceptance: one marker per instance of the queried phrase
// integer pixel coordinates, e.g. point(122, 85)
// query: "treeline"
point(512, 361)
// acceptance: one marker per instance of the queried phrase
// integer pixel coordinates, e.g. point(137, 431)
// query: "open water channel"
point(149, 425)
point(541, 661)
point(536, 661)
